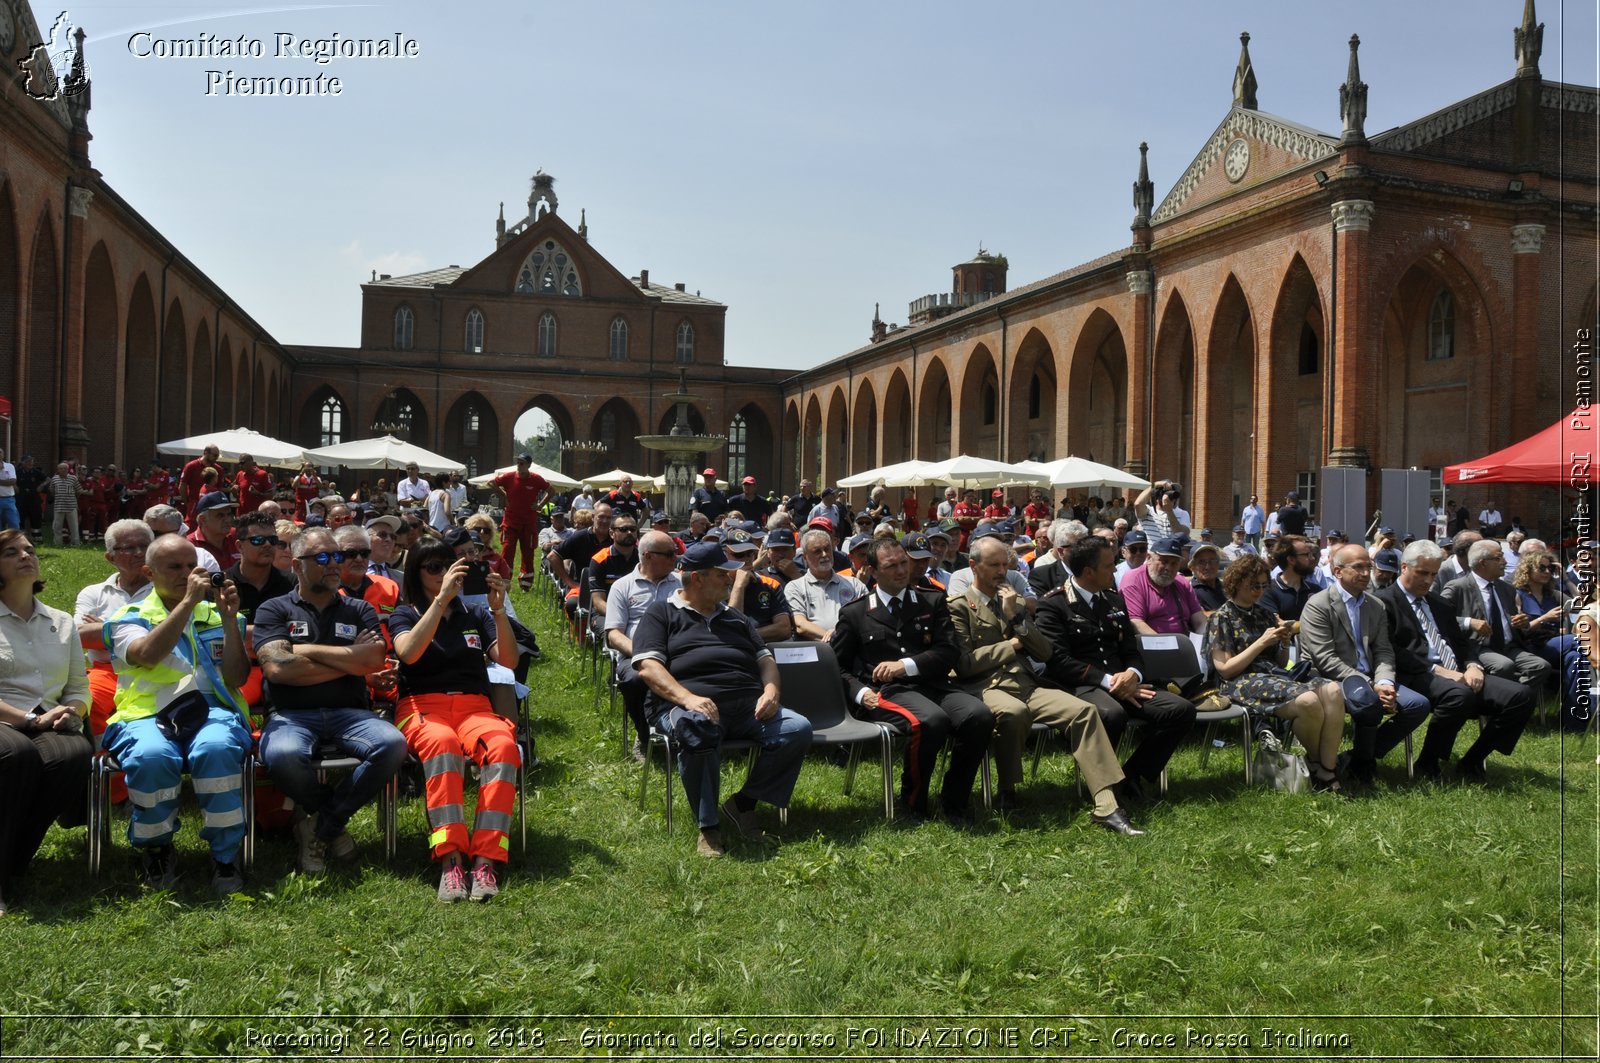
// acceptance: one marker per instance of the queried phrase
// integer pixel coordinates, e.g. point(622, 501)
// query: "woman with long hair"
point(44, 699)
point(443, 646)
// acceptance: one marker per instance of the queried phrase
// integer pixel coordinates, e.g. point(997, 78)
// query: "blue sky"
point(798, 162)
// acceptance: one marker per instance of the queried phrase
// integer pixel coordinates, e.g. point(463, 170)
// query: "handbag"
point(1279, 768)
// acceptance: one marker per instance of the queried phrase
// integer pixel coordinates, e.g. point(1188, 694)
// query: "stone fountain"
point(683, 449)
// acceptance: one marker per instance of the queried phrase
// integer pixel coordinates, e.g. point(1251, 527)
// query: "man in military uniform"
point(1096, 656)
point(895, 648)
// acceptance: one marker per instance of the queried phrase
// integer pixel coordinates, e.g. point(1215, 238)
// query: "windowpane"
point(547, 271)
point(1442, 327)
point(474, 331)
point(685, 342)
point(332, 422)
point(403, 328)
point(738, 450)
point(547, 336)
point(619, 340)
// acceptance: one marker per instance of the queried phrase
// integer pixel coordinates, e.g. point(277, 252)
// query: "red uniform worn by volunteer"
point(525, 492)
point(254, 484)
point(191, 479)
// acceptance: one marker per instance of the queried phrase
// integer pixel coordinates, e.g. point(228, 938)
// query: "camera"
point(1173, 491)
point(477, 578)
point(217, 580)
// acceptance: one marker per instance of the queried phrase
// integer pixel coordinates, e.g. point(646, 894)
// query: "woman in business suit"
point(1246, 645)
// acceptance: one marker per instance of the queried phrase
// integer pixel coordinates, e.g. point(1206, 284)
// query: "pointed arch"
point(790, 473)
point(980, 405)
point(269, 419)
point(40, 413)
point(402, 414)
point(201, 415)
point(324, 419)
point(897, 420)
point(1031, 406)
point(935, 417)
point(1096, 399)
point(225, 396)
point(258, 397)
point(760, 452)
point(864, 419)
point(472, 432)
point(811, 440)
point(1437, 340)
point(836, 438)
point(139, 376)
point(174, 401)
point(1226, 478)
point(1172, 395)
point(1290, 404)
point(616, 424)
point(103, 412)
point(549, 270)
point(10, 286)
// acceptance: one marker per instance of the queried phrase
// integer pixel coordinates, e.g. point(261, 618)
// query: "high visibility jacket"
point(144, 690)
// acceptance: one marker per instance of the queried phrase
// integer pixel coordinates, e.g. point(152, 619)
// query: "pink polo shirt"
point(1166, 611)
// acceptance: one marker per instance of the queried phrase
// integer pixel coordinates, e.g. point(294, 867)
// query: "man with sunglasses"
point(1135, 548)
point(380, 592)
point(609, 564)
point(412, 490)
point(316, 647)
point(381, 533)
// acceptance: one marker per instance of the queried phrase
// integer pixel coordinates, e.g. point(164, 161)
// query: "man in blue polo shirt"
point(711, 677)
point(316, 648)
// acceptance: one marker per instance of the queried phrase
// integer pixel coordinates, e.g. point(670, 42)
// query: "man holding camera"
point(316, 648)
point(1160, 516)
point(180, 658)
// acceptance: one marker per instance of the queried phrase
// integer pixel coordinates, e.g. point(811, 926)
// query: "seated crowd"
point(275, 631)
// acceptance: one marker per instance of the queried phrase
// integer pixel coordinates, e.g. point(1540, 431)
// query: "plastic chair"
point(1175, 659)
point(809, 675)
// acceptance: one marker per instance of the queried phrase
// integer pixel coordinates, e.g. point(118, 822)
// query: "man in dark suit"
point(1487, 604)
point(896, 647)
point(1344, 632)
point(1097, 657)
point(1434, 657)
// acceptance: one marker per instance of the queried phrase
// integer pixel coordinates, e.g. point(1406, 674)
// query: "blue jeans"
point(784, 740)
point(9, 517)
point(289, 743)
point(1376, 732)
point(155, 765)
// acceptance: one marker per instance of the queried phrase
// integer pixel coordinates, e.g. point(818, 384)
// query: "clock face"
point(1236, 160)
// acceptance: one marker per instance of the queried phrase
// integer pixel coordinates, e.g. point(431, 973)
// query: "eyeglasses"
point(1549, 568)
point(1138, 548)
point(263, 540)
point(617, 529)
point(434, 567)
point(325, 557)
point(1261, 584)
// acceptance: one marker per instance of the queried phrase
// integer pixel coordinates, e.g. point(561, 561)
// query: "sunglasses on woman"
point(434, 567)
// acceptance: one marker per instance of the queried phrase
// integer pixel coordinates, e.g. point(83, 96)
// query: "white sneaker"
point(343, 847)
point(313, 850)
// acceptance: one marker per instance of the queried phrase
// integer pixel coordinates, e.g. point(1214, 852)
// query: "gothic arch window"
point(474, 331)
point(404, 328)
point(1310, 351)
point(608, 429)
point(472, 466)
point(332, 422)
point(549, 270)
point(619, 340)
point(685, 342)
point(738, 448)
point(1442, 327)
point(471, 422)
point(547, 336)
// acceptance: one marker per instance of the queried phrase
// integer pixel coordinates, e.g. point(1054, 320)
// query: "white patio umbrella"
point(614, 477)
point(900, 474)
point(235, 441)
point(553, 478)
point(965, 471)
point(659, 483)
point(382, 452)
point(1080, 473)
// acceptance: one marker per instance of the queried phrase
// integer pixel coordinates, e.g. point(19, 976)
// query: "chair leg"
point(671, 762)
point(850, 767)
point(247, 792)
point(1205, 744)
point(888, 774)
point(1244, 746)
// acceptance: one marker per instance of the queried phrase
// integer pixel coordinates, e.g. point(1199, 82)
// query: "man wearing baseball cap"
point(1161, 600)
point(708, 498)
point(525, 492)
point(747, 502)
point(213, 516)
point(712, 677)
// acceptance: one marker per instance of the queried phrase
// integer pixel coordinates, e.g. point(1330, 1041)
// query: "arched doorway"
point(99, 402)
point(934, 408)
point(1097, 394)
point(1031, 427)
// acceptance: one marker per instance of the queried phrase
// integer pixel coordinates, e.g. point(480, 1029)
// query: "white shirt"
point(1486, 590)
point(8, 471)
point(102, 599)
point(820, 601)
point(458, 496)
point(41, 659)
point(408, 491)
point(439, 510)
point(1488, 518)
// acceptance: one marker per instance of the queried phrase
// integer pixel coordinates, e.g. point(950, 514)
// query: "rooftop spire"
point(1529, 38)
point(583, 222)
point(1353, 99)
point(1144, 193)
point(1244, 76)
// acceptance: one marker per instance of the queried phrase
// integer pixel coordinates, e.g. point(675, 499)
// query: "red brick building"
point(1298, 298)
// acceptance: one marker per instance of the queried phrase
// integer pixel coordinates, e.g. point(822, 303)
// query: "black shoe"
point(158, 867)
point(1141, 791)
point(1007, 801)
point(1428, 769)
point(1118, 823)
point(1362, 771)
point(1472, 771)
point(226, 878)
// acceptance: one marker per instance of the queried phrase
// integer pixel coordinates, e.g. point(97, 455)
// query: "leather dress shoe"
point(1472, 771)
point(1007, 801)
point(1118, 822)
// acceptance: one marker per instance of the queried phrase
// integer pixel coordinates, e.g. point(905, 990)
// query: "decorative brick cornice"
point(1139, 282)
point(1352, 215)
point(1527, 239)
point(1569, 98)
point(1442, 123)
point(1301, 143)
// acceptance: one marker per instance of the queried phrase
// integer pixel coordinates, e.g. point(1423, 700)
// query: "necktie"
point(1354, 609)
point(896, 609)
point(1497, 638)
point(1438, 647)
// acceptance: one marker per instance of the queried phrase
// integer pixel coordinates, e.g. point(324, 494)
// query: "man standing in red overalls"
point(524, 492)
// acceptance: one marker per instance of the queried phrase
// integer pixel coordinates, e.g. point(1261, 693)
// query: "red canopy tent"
point(1563, 454)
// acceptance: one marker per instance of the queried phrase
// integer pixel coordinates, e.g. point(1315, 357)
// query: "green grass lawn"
point(1419, 921)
